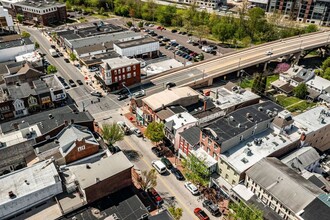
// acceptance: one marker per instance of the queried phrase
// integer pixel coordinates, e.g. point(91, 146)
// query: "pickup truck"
point(53, 53)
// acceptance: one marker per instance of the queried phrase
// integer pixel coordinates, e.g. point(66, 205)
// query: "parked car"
point(155, 196)
point(66, 60)
point(184, 33)
point(72, 84)
point(159, 27)
point(166, 39)
point(137, 132)
point(139, 94)
point(201, 214)
point(195, 44)
point(167, 163)
point(60, 54)
point(214, 52)
point(53, 46)
point(95, 93)
point(93, 69)
point(114, 149)
point(174, 31)
point(191, 187)
point(161, 44)
point(157, 151)
point(151, 25)
point(124, 127)
point(80, 82)
point(268, 53)
point(213, 208)
point(122, 97)
point(170, 84)
point(147, 30)
point(177, 173)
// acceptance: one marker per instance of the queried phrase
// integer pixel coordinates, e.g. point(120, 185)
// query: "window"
point(226, 176)
point(128, 68)
point(123, 70)
point(220, 171)
point(214, 155)
point(134, 67)
point(134, 74)
point(209, 141)
point(124, 76)
point(119, 71)
point(119, 77)
point(116, 80)
point(115, 71)
point(208, 150)
point(233, 182)
point(129, 75)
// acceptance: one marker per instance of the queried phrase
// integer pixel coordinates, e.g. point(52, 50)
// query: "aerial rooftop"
point(15, 43)
point(40, 4)
point(118, 62)
point(313, 119)
point(135, 42)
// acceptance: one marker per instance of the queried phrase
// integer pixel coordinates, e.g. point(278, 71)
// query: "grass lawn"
point(246, 83)
point(302, 106)
point(286, 101)
point(295, 104)
point(271, 79)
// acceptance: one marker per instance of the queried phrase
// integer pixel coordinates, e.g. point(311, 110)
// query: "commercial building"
point(115, 72)
point(101, 178)
point(29, 187)
point(281, 188)
point(142, 47)
point(37, 12)
point(14, 45)
point(202, 4)
point(6, 20)
point(314, 12)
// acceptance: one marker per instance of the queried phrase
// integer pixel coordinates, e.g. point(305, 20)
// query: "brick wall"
point(81, 150)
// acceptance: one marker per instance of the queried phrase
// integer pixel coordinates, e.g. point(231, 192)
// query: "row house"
point(23, 98)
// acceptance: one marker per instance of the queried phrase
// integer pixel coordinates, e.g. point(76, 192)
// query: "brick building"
point(116, 71)
point(37, 12)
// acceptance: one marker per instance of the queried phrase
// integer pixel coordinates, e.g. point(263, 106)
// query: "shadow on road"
point(132, 155)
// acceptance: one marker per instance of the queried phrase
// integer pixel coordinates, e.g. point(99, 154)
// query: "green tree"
point(244, 212)
point(175, 212)
point(300, 91)
point(311, 28)
point(36, 45)
point(73, 56)
point(20, 18)
point(259, 84)
point(147, 179)
point(195, 170)
point(225, 29)
point(202, 31)
point(129, 24)
point(112, 133)
point(51, 69)
point(256, 22)
point(325, 64)
point(101, 11)
point(25, 34)
point(155, 132)
point(326, 74)
point(140, 24)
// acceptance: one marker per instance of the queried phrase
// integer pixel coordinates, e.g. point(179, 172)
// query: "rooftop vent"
point(11, 194)
point(231, 118)
point(244, 160)
point(87, 166)
point(260, 108)
point(50, 116)
point(27, 182)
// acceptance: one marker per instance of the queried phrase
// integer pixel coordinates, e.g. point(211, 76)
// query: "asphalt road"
point(167, 185)
point(80, 94)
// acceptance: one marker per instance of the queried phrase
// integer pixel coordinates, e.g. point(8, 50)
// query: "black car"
point(170, 84)
point(122, 97)
point(72, 84)
point(60, 54)
point(66, 60)
point(190, 34)
point(159, 36)
point(165, 39)
point(195, 44)
point(174, 31)
point(79, 82)
point(177, 173)
point(213, 208)
point(184, 33)
point(167, 163)
point(53, 46)
point(157, 151)
point(213, 52)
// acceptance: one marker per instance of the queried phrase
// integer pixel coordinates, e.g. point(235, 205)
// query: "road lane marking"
point(164, 183)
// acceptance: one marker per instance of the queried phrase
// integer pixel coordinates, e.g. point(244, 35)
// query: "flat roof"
point(203, 156)
point(318, 82)
point(38, 177)
point(30, 57)
point(243, 192)
point(168, 96)
point(40, 4)
point(284, 184)
point(118, 62)
point(16, 137)
point(135, 42)
point(181, 119)
point(240, 120)
point(101, 169)
point(15, 43)
point(310, 120)
point(234, 96)
point(247, 153)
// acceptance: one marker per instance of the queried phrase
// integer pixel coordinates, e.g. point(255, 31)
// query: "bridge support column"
point(265, 66)
point(297, 56)
point(210, 82)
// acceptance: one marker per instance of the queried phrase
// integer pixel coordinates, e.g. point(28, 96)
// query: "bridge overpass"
point(234, 62)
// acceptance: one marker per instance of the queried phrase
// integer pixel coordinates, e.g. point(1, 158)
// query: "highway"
point(238, 60)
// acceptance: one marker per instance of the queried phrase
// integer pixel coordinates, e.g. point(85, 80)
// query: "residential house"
point(74, 142)
point(280, 187)
point(25, 74)
point(175, 124)
point(118, 71)
point(28, 188)
point(305, 158)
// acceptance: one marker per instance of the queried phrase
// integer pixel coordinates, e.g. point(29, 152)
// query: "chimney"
point(71, 121)
point(66, 123)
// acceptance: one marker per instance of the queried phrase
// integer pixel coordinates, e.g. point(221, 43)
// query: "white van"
point(159, 166)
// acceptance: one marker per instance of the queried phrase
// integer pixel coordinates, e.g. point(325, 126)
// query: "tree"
point(244, 212)
point(202, 31)
point(25, 34)
point(129, 24)
point(73, 56)
point(175, 212)
point(300, 91)
point(311, 28)
point(101, 11)
point(155, 132)
point(36, 45)
point(112, 133)
point(140, 24)
point(19, 18)
point(51, 69)
point(195, 170)
point(259, 84)
point(325, 64)
point(148, 179)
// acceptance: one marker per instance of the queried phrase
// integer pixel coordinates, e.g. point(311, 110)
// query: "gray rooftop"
point(191, 135)
point(318, 209)
point(15, 43)
point(16, 92)
point(283, 183)
point(40, 4)
point(240, 120)
point(101, 169)
point(46, 124)
point(136, 42)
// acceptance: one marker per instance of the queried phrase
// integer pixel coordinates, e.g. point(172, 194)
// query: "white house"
point(20, 109)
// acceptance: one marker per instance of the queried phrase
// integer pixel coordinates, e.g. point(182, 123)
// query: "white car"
point(137, 132)
point(191, 187)
point(268, 53)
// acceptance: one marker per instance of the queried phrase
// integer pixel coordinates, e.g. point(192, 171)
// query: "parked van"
point(159, 166)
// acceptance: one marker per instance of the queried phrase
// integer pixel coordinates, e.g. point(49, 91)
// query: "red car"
point(155, 196)
point(159, 27)
point(201, 214)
